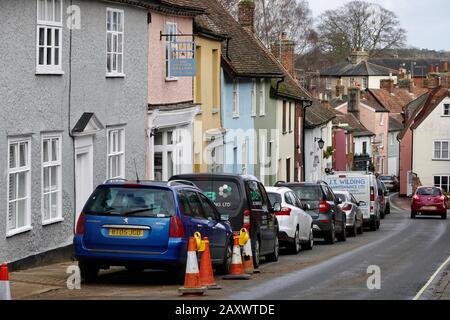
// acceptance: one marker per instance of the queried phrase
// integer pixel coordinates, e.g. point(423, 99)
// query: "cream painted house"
point(431, 141)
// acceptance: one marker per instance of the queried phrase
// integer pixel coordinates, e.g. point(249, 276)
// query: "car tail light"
point(324, 221)
point(442, 198)
point(284, 212)
point(416, 197)
point(80, 229)
point(176, 227)
point(247, 214)
point(324, 206)
point(347, 207)
point(372, 194)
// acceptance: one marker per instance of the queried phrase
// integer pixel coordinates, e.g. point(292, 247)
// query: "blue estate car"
point(143, 225)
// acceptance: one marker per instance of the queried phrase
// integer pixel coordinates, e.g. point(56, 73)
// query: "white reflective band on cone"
point(248, 249)
point(236, 255)
point(192, 265)
point(5, 292)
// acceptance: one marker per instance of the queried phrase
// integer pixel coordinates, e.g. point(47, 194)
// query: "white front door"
point(83, 172)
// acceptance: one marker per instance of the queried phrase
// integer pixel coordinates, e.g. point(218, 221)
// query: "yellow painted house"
point(208, 132)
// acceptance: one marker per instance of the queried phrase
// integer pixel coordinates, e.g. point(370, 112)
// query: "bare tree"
point(272, 17)
point(360, 24)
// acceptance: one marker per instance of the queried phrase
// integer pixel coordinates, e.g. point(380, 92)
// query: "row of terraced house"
point(92, 90)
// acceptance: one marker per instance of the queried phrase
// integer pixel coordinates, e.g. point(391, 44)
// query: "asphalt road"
point(408, 252)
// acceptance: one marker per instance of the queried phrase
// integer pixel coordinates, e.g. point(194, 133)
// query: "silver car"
point(351, 207)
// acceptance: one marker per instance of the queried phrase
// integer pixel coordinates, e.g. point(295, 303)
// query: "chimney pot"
point(387, 84)
point(284, 51)
point(359, 55)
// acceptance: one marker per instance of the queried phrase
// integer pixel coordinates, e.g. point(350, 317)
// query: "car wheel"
point(353, 231)
point(413, 215)
point(295, 245)
point(378, 223)
point(179, 275)
point(256, 253)
point(224, 268)
point(89, 271)
point(343, 235)
point(388, 209)
point(273, 257)
point(134, 270)
point(361, 228)
point(310, 244)
point(444, 216)
point(383, 214)
point(373, 224)
point(330, 237)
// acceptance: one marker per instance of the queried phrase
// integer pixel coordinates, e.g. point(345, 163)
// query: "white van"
point(365, 189)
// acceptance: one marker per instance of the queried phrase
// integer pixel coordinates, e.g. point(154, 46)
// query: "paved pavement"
point(408, 252)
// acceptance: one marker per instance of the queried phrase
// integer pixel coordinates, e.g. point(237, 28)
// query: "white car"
point(296, 226)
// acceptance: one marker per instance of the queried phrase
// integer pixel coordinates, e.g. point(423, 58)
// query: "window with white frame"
point(51, 179)
point(49, 36)
point(328, 83)
point(442, 182)
point(235, 98)
point(262, 98)
point(365, 83)
point(254, 98)
point(116, 153)
point(19, 186)
point(381, 119)
point(245, 156)
point(446, 111)
point(114, 41)
point(441, 150)
point(171, 31)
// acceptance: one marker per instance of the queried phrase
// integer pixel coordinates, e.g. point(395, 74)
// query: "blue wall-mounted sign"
point(182, 59)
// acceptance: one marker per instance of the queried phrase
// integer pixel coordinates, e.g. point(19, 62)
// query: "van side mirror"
point(362, 204)
point(306, 206)
point(339, 201)
point(386, 194)
point(276, 207)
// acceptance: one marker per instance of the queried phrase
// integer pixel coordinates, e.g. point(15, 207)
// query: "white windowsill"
point(235, 116)
point(52, 221)
point(49, 72)
point(170, 79)
point(115, 75)
point(18, 231)
point(434, 159)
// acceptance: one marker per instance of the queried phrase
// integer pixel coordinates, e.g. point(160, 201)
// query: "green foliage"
point(328, 152)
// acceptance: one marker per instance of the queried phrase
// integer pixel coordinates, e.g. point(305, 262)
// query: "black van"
point(243, 200)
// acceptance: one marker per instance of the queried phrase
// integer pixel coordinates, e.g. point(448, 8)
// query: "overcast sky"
point(427, 22)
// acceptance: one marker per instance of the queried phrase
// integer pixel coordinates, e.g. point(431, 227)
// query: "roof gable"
point(398, 99)
point(434, 99)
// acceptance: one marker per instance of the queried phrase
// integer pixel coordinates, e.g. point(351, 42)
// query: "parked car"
point(364, 187)
point(391, 182)
point(243, 200)
point(383, 196)
point(351, 207)
point(296, 226)
point(387, 199)
point(329, 221)
point(429, 201)
point(143, 225)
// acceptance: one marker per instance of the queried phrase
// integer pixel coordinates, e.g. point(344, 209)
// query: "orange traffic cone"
point(5, 291)
point(247, 256)
point(206, 270)
point(192, 284)
point(237, 268)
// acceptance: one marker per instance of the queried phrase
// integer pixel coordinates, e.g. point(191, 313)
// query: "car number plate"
point(132, 233)
point(429, 208)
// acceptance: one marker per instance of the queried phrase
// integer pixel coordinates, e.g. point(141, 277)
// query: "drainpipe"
point(69, 109)
point(306, 104)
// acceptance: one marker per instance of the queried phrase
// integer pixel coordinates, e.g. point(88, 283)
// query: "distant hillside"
point(414, 53)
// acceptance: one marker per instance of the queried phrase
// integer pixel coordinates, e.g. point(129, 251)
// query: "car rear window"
point(429, 192)
point(341, 197)
point(307, 193)
point(386, 178)
point(224, 193)
point(122, 201)
point(274, 198)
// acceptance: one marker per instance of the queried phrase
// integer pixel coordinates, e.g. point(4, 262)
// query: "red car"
point(429, 201)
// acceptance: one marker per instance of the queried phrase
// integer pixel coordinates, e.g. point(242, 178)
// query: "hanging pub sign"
point(182, 59)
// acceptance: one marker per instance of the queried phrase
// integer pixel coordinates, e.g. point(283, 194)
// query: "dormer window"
point(446, 111)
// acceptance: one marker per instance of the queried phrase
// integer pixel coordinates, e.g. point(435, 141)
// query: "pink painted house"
point(171, 108)
point(372, 116)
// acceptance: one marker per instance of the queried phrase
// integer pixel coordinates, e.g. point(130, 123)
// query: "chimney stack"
point(431, 68)
point(284, 50)
point(445, 66)
point(359, 55)
point(387, 84)
point(247, 14)
point(354, 99)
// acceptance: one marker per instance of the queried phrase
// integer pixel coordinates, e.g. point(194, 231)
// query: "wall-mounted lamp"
point(320, 142)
